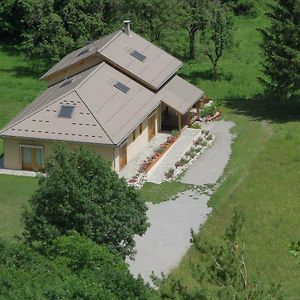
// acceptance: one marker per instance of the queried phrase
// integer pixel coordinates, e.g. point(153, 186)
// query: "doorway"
point(32, 158)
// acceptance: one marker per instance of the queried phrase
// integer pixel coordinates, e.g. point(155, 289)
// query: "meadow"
point(261, 179)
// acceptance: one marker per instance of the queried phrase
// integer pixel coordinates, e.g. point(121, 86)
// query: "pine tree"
point(281, 50)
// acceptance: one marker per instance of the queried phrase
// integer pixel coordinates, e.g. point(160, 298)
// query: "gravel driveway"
point(168, 238)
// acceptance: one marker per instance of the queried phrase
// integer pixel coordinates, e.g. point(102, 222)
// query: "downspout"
point(114, 156)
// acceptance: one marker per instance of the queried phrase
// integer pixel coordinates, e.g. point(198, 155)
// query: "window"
point(133, 135)
point(66, 111)
point(122, 87)
point(141, 128)
point(138, 55)
point(32, 157)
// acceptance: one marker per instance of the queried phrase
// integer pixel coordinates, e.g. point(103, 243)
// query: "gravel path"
point(168, 238)
point(210, 165)
point(166, 241)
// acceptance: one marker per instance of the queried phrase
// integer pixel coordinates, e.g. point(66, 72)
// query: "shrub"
point(174, 132)
point(170, 173)
point(209, 137)
point(159, 149)
point(204, 143)
point(171, 139)
point(196, 125)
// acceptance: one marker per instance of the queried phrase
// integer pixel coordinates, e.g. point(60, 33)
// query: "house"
point(113, 96)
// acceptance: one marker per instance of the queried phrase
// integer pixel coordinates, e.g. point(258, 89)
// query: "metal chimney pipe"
point(126, 28)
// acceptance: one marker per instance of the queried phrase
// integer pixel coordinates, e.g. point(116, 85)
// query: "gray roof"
point(103, 114)
point(179, 94)
point(157, 67)
point(76, 56)
point(117, 48)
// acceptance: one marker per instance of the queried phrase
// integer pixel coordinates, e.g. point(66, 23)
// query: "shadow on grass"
point(264, 108)
point(35, 67)
point(194, 76)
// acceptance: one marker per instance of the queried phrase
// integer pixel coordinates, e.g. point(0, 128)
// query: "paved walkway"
point(168, 160)
point(132, 167)
point(210, 165)
point(168, 238)
point(14, 172)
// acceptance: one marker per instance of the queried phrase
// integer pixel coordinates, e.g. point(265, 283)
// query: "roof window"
point(138, 55)
point(66, 111)
point(122, 87)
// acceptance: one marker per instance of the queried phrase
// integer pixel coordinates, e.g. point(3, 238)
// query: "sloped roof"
point(157, 67)
point(180, 94)
point(81, 53)
point(103, 114)
point(116, 48)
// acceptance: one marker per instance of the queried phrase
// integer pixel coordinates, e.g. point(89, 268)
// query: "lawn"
point(14, 194)
point(261, 179)
point(19, 84)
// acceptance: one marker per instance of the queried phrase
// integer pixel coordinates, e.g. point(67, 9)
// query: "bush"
point(196, 126)
point(174, 133)
point(82, 193)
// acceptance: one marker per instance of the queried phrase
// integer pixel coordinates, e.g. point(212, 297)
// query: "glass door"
point(32, 158)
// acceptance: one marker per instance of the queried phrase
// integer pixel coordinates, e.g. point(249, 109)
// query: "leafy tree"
point(150, 18)
point(242, 7)
point(72, 268)
point(194, 19)
point(216, 37)
point(281, 50)
point(54, 28)
point(225, 268)
point(11, 19)
point(82, 193)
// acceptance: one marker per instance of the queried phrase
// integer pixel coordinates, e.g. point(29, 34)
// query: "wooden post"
point(198, 109)
point(188, 119)
point(179, 123)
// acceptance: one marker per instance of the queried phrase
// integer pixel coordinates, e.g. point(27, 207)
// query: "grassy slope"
point(14, 194)
point(262, 178)
point(18, 86)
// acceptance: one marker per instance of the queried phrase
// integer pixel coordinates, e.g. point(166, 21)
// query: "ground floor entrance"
point(32, 158)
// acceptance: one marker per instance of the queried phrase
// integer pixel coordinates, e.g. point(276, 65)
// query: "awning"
point(179, 94)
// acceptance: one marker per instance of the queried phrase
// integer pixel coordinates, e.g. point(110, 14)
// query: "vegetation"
point(261, 178)
point(216, 36)
point(156, 193)
point(81, 192)
point(225, 269)
point(73, 267)
point(281, 49)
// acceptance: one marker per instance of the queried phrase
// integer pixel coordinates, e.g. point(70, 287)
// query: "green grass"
point(157, 193)
point(19, 84)
point(14, 195)
point(262, 177)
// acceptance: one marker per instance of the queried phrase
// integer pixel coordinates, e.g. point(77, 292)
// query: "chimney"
point(126, 28)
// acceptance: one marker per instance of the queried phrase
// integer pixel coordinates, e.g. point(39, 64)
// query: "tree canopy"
point(81, 192)
point(281, 50)
point(73, 267)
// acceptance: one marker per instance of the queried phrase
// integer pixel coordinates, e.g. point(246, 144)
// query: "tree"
point(224, 268)
point(281, 50)
point(73, 267)
point(150, 18)
point(54, 28)
point(194, 19)
point(216, 38)
point(82, 193)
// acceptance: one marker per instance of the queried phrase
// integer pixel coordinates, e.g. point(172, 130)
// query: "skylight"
point(66, 111)
point(138, 55)
point(66, 82)
point(122, 87)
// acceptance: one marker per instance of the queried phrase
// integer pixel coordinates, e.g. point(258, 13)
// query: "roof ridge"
point(113, 38)
point(77, 92)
